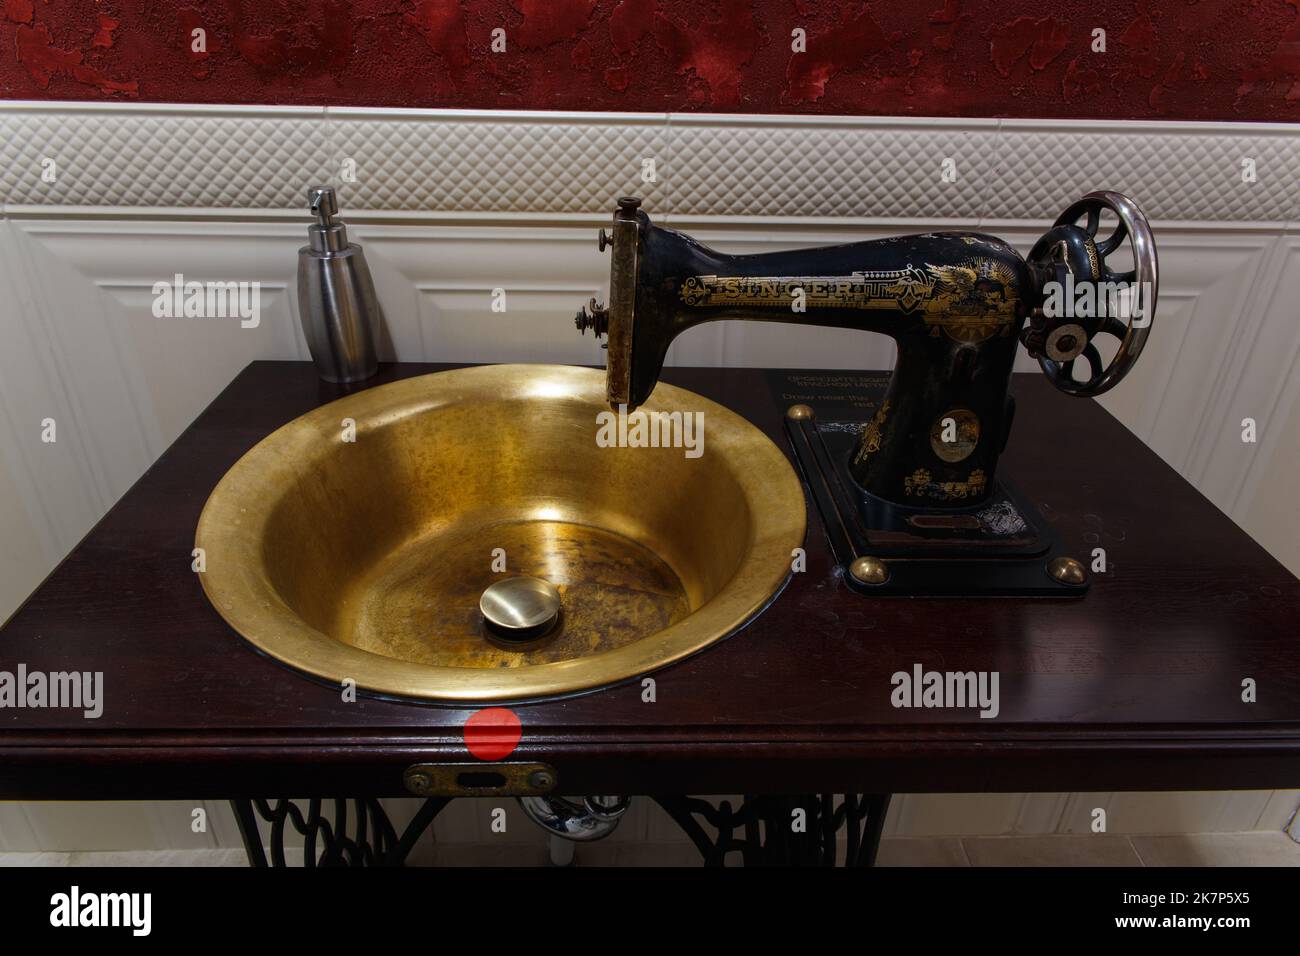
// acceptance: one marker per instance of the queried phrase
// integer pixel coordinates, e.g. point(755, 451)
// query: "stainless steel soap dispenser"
point(336, 297)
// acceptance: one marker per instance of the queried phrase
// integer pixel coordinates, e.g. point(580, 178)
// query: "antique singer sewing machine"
point(911, 497)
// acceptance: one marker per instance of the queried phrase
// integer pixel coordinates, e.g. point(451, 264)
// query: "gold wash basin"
point(367, 558)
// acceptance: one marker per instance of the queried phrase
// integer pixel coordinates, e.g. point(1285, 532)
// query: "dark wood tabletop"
point(1138, 685)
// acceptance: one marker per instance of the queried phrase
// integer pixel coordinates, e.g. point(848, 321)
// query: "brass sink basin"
point(367, 558)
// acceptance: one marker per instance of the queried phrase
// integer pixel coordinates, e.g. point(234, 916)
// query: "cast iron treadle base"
point(1001, 547)
point(372, 842)
point(771, 837)
point(770, 834)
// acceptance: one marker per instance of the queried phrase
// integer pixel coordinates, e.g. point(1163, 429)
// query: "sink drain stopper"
point(520, 609)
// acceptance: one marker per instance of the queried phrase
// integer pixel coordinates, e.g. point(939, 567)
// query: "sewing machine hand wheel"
point(1061, 342)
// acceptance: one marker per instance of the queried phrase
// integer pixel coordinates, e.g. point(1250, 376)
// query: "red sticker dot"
point(493, 734)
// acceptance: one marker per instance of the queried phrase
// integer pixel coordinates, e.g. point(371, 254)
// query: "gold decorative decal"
point(973, 300)
point(903, 289)
point(969, 301)
point(872, 434)
point(920, 484)
point(954, 434)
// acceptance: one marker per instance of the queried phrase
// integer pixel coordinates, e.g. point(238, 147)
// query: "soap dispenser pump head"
point(324, 204)
point(326, 234)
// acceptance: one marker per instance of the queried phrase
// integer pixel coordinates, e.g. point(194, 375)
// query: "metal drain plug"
point(520, 609)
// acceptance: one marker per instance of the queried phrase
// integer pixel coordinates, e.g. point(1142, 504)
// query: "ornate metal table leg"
point(793, 833)
point(422, 820)
point(877, 810)
point(248, 832)
point(865, 819)
point(721, 818)
point(784, 831)
point(370, 841)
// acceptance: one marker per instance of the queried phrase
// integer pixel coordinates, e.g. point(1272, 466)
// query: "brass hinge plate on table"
point(514, 779)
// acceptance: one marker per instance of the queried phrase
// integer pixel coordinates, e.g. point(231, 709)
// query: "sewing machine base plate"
point(999, 547)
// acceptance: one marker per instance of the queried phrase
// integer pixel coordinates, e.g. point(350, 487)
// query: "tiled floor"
point(1258, 848)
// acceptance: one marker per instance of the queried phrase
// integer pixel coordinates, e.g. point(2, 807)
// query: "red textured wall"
point(1179, 59)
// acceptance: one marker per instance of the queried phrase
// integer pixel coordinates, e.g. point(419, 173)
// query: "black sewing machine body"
point(953, 302)
point(915, 493)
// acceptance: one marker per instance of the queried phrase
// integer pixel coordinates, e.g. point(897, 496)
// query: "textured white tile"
point(222, 825)
point(1093, 850)
point(400, 813)
point(599, 853)
point(921, 851)
point(567, 163)
point(129, 157)
point(166, 858)
point(519, 827)
point(1173, 172)
point(1192, 811)
point(16, 834)
point(767, 167)
point(654, 854)
point(222, 858)
point(660, 827)
point(1242, 809)
point(1040, 813)
point(457, 822)
point(107, 825)
point(634, 825)
point(953, 814)
point(472, 820)
point(34, 859)
point(1281, 812)
point(518, 854)
point(1218, 849)
point(511, 162)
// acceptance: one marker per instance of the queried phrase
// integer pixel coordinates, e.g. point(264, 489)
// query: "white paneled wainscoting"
point(98, 203)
